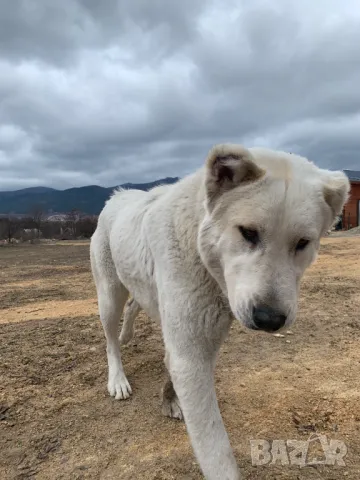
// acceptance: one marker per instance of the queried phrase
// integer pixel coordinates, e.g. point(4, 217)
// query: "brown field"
point(57, 421)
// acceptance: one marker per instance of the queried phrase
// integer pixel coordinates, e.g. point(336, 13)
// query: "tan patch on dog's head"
point(227, 167)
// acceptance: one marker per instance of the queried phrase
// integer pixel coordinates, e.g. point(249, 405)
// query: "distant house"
point(56, 217)
point(351, 212)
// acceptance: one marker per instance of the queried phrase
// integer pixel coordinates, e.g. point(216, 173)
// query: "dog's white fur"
point(178, 251)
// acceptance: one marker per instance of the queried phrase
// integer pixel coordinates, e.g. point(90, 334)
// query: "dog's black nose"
point(265, 318)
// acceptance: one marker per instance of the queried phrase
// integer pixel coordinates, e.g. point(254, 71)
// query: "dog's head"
point(266, 212)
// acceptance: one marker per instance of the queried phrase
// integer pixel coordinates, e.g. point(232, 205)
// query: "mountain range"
point(89, 199)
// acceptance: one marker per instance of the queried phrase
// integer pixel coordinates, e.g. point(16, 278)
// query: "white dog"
point(233, 239)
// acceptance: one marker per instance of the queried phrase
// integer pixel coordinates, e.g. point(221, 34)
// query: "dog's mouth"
point(266, 330)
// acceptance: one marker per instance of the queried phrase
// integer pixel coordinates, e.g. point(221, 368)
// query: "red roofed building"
point(351, 212)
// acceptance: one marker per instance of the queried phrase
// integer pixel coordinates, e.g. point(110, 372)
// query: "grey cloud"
point(116, 91)
point(57, 33)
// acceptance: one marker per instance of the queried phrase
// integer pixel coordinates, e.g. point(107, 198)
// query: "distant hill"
point(89, 199)
point(30, 190)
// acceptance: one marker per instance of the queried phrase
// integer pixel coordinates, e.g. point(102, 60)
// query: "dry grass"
point(57, 421)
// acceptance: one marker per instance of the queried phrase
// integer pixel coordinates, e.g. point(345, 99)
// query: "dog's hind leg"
point(170, 406)
point(131, 311)
point(112, 296)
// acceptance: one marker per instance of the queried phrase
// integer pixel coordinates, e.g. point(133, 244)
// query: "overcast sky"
point(105, 92)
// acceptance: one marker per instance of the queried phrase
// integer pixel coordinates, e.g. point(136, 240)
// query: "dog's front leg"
point(192, 373)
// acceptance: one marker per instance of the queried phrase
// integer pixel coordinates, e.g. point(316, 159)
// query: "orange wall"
point(350, 213)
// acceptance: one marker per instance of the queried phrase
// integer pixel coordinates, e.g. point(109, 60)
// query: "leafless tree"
point(72, 219)
point(87, 226)
point(37, 215)
point(9, 226)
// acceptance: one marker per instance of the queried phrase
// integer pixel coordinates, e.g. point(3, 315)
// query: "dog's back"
point(124, 203)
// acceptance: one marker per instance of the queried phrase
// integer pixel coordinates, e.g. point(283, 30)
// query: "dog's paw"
point(126, 336)
point(119, 387)
point(171, 408)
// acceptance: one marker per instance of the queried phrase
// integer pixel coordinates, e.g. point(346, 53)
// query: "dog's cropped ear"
point(228, 166)
point(336, 191)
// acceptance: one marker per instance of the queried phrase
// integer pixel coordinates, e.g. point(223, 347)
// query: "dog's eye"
point(250, 235)
point(302, 244)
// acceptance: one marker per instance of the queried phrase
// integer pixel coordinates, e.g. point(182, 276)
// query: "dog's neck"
point(192, 207)
point(187, 232)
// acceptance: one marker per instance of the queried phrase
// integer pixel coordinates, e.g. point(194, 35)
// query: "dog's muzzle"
point(267, 319)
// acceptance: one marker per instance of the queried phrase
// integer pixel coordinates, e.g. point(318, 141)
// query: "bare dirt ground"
point(58, 422)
